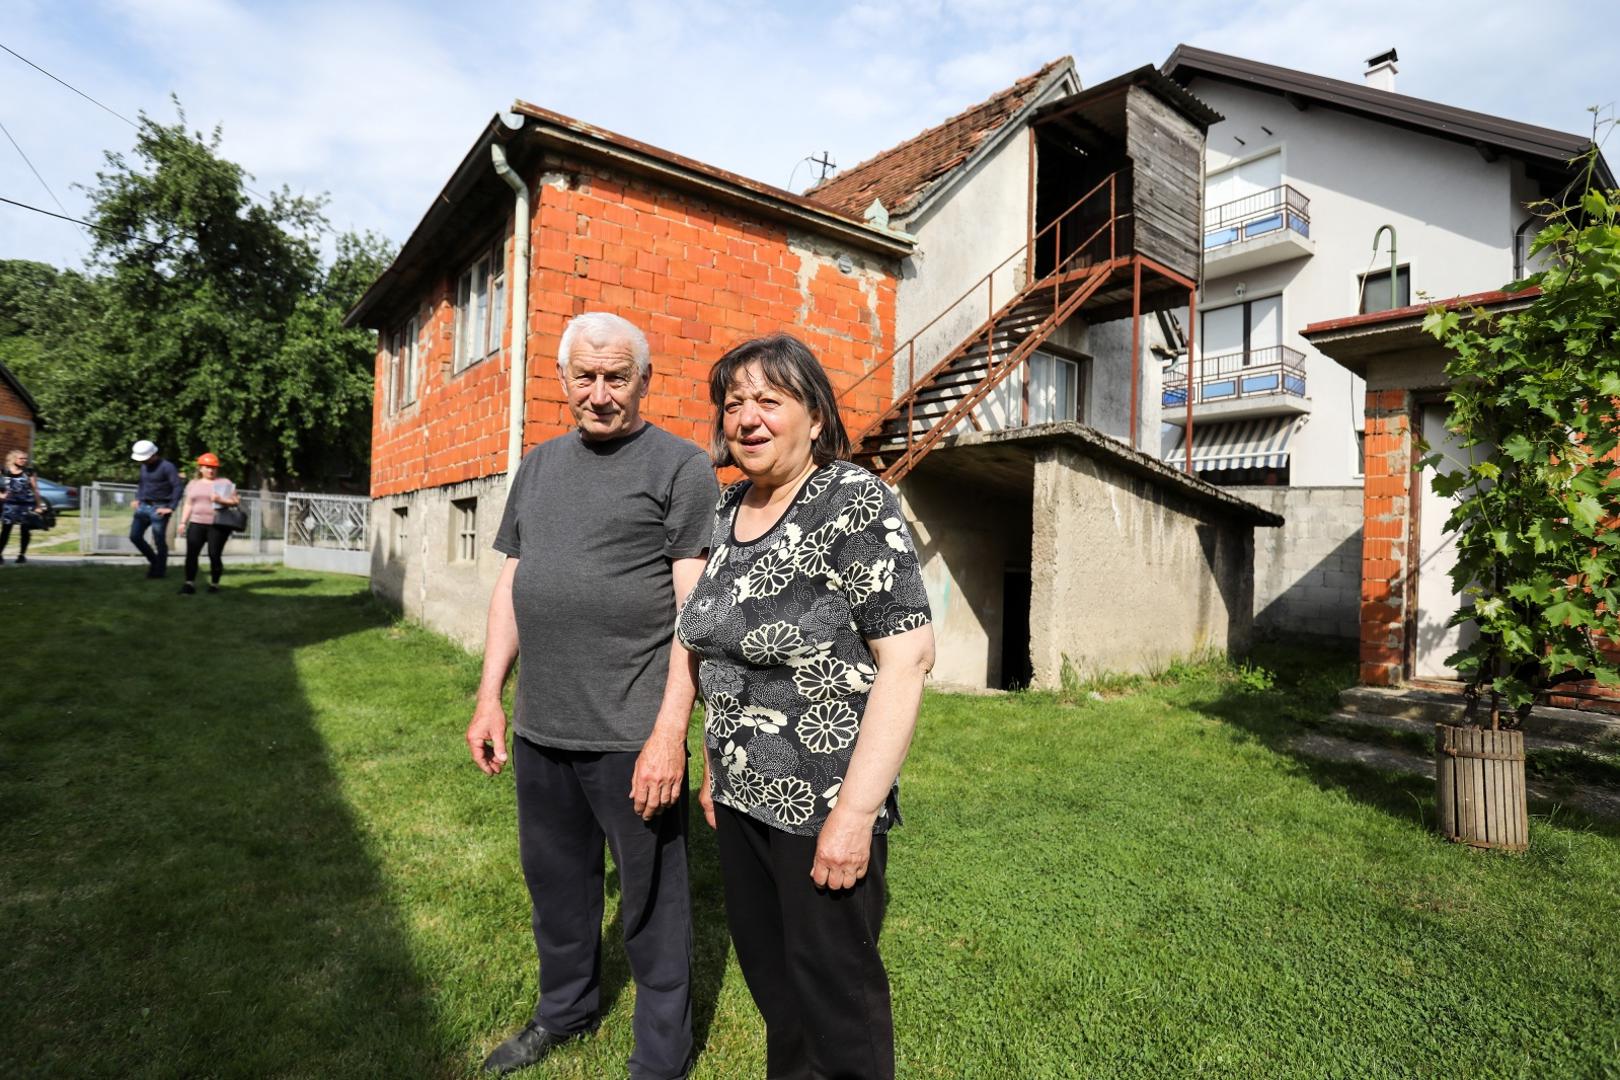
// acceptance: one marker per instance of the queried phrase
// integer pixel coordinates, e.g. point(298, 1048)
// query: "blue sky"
point(374, 103)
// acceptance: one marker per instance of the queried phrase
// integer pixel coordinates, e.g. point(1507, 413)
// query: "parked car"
point(60, 496)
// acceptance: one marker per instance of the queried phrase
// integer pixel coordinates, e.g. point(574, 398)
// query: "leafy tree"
point(1535, 397)
point(208, 322)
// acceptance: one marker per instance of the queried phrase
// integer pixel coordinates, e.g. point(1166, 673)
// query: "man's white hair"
point(605, 326)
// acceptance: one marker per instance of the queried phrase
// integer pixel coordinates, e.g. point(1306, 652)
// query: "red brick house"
point(696, 256)
point(19, 416)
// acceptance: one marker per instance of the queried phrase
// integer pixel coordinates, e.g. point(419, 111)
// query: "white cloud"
point(377, 102)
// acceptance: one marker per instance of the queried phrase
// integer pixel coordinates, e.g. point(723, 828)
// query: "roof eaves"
point(22, 391)
point(1446, 121)
point(565, 131)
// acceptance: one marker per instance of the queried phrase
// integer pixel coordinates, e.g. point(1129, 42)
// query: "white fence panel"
point(329, 532)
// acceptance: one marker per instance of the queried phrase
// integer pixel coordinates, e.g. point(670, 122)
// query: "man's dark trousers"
point(568, 802)
point(147, 519)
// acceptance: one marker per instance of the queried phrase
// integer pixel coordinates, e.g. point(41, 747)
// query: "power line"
point(33, 170)
point(186, 142)
point(70, 86)
point(86, 224)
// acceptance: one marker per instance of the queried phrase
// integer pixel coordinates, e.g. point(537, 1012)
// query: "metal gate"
point(106, 512)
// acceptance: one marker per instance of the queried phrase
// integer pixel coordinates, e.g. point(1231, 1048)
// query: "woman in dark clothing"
point(204, 496)
point(19, 496)
point(812, 626)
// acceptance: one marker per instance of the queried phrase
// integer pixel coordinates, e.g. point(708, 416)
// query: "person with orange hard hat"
point(200, 524)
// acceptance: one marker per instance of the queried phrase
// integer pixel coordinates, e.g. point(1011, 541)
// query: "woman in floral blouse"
point(811, 630)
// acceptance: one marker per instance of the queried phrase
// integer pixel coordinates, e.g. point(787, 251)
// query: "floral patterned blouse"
point(781, 625)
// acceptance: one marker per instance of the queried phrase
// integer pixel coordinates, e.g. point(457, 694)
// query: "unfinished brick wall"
point(696, 274)
point(1387, 509)
point(16, 427)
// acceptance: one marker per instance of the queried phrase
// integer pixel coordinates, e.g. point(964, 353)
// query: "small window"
point(1054, 389)
point(402, 365)
point(1375, 290)
point(391, 377)
point(1361, 453)
point(480, 309)
point(401, 531)
point(463, 530)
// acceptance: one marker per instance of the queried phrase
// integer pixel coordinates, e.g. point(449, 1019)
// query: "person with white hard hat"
point(157, 497)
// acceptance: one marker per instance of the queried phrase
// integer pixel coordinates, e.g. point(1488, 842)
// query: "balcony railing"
point(1276, 369)
point(1256, 215)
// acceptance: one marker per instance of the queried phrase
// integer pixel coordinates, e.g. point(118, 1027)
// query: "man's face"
point(604, 388)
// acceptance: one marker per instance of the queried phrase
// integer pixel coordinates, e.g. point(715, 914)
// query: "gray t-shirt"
point(594, 527)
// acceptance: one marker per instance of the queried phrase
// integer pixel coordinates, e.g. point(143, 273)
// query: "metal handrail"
point(1260, 204)
point(1027, 249)
point(1235, 367)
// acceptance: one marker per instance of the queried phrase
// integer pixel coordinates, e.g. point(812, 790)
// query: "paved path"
point(1597, 801)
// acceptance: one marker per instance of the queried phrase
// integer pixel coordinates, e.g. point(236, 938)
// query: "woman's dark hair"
point(787, 364)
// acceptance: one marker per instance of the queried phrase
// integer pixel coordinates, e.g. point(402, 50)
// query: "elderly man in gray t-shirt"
point(605, 533)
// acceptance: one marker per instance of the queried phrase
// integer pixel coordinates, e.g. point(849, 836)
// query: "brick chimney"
point(1380, 73)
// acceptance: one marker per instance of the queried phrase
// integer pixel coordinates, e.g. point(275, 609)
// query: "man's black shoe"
point(527, 1047)
point(187, 589)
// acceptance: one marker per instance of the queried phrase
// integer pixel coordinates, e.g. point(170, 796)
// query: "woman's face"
point(768, 431)
point(208, 471)
point(21, 463)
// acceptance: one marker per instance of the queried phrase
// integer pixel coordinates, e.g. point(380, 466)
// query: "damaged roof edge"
point(943, 185)
point(563, 133)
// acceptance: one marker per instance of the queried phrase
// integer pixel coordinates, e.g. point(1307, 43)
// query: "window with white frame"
point(463, 530)
point(1054, 389)
point(391, 346)
point(1375, 290)
point(480, 308)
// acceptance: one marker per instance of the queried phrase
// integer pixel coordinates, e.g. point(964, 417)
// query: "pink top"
point(200, 495)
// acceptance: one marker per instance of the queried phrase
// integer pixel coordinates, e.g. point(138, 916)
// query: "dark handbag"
point(233, 518)
point(41, 520)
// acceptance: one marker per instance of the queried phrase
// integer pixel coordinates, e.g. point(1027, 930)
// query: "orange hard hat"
point(209, 458)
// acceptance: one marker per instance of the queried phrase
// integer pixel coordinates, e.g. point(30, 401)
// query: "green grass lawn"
point(241, 838)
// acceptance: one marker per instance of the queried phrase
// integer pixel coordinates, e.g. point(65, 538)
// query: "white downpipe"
point(519, 302)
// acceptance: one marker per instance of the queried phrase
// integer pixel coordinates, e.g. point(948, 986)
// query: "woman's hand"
point(842, 850)
point(705, 795)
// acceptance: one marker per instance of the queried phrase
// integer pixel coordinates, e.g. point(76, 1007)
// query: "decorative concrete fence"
point(329, 532)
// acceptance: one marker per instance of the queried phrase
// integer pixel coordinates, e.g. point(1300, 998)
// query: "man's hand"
point(842, 850)
point(660, 773)
point(164, 511)
point(486, 736)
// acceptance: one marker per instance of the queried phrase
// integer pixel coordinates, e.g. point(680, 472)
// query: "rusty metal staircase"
point(949, 394)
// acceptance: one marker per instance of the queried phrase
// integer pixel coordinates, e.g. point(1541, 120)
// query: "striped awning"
point(1234, 444)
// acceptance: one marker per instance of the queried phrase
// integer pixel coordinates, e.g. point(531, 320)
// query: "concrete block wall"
point(421, 578)
point(697, 275)
point(1307, 574)
point(1126, 575)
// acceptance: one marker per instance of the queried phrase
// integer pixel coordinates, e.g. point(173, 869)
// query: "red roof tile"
point(901, 175)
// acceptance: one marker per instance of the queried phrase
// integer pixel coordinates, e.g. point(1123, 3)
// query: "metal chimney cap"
point(1382, 58)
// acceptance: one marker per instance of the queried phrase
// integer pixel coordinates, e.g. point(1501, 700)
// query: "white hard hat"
point(142, 450)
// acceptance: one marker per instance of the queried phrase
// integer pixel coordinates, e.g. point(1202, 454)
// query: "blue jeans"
point(147, 519)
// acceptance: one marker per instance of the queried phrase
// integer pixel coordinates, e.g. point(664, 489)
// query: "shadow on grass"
point(183, 891)
point(1308, 681)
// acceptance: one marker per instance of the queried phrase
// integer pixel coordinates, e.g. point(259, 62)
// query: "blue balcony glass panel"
point(1260, 384)
point(1223, 388)
point(1221, 236)
point(1261, 226)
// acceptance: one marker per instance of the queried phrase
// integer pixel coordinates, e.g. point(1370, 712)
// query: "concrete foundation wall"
point(1307, 574)
point(420, 578)
point(1127, 575)
point(965, 545)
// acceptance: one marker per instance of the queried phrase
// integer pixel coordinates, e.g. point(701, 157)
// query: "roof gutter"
point(518, 359)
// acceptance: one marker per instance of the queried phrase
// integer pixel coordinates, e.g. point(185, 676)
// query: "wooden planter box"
point(1479, 785)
